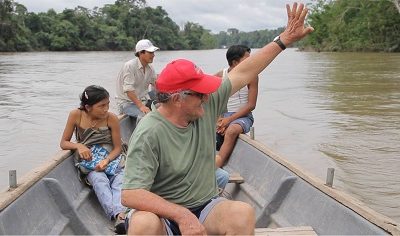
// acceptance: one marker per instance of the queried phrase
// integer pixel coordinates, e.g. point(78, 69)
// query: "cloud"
point(245, 15)
point(60, 5)
point(220, 15)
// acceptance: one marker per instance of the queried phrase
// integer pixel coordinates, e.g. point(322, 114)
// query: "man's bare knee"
point(143, 222)
point(233, 131)
point(242, 219)
point(231, 218)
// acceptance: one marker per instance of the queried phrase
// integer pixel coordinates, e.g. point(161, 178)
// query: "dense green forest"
point(354, 25)
point(113, 27)
point(341, 25)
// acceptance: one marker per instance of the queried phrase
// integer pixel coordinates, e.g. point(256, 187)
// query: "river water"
point(318, 110)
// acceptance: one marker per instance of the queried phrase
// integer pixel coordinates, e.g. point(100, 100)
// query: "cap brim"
point(208, 84)
point(151, 49)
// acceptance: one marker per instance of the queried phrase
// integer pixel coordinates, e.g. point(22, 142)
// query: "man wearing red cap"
point(169, 180)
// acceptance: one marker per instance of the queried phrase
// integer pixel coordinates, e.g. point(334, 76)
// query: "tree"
point(397, 4)
point(115, 26)
point(6, 26)
point(6, 9)
point(208, 41)
point(192, 34)
point(354, 25)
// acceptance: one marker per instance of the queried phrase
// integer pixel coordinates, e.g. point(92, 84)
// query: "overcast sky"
point(215, 15)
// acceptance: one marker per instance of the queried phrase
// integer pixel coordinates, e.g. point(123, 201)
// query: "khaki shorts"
point(172, 227)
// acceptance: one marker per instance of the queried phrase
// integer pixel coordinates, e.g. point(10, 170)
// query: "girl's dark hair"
point(92, 95)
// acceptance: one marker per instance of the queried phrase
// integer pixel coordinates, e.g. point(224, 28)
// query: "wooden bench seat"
point(235, 178)
point(301, 230)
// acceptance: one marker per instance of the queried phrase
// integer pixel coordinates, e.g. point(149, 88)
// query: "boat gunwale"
point(8, 196)
point(380, 220)
point(29, 179)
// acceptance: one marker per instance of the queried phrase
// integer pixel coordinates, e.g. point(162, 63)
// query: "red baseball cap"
point(183, 74)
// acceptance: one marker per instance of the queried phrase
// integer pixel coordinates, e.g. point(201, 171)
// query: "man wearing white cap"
point(134, 79)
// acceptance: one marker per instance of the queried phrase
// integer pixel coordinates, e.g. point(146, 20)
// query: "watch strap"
point(278, 41)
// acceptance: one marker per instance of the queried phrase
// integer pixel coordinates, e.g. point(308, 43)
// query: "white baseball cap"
point(145, 45)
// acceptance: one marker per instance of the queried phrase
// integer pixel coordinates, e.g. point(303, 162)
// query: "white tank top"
point(238, 99)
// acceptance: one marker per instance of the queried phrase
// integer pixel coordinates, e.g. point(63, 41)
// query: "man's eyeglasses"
point(199, 95)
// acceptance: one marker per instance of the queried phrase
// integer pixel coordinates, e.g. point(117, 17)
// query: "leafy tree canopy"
point(341, 25)
point(354, 25)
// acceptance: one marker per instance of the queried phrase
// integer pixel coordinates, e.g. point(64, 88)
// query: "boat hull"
point(57, 203)
point(286, 196)
point(52, 200)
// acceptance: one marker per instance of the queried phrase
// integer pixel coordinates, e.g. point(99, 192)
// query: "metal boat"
point(52, 200)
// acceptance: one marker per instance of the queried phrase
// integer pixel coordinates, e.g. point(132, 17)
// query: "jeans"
point(246, 121)
point(131, 109)
point(222, 177)
point(108, 191)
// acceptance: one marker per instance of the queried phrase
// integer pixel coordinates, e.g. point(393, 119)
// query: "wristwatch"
point(278, 41)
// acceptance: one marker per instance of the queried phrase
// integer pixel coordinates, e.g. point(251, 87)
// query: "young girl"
point(93, 124)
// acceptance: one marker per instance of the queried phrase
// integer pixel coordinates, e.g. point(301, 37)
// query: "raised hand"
point(295, 29)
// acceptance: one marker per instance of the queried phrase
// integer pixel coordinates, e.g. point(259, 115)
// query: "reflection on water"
point(318, 110)
point(364, 90)
point(338, 110)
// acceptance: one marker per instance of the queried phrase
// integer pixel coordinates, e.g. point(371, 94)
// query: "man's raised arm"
point(243, 73)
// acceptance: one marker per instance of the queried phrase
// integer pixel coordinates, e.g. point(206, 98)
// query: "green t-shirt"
point(177, 164)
